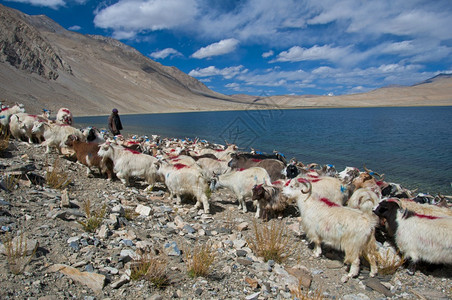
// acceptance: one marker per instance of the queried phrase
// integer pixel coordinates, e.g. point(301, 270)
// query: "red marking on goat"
point(302, 180)
point(175, 159)
point(276, 182)
point(33, 116)
point(328, 202)
point(63, 125)
point(380, 183)
point(66, 111)
point(180, 166)
point(173, 150)
point(426, 216)
point(133, 151)
point(256, 160)
point(5, 108)
point(315, 180)
point(241, 169)
point(132, 142)
point(312, 175)
point(219, 150)
point(288, 182)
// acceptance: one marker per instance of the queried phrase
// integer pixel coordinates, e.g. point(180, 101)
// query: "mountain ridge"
point(44, 65)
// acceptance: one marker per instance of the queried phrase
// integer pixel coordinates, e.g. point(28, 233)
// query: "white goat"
point(64, 116)
point(6, 113)
point(211, 167)
point(242, 183)
point(324, 186)
point(129, 163)
point(419, 237)
point(364, 199)
point(55, 135)
point(21, 125)
point(343, 228)
point(182, 179)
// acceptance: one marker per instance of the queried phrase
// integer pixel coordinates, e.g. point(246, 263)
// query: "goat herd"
point(341, 209)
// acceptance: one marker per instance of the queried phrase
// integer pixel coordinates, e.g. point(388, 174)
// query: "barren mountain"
point(44, 65)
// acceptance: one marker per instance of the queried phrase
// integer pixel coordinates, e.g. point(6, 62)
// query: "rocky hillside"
point(45, 66)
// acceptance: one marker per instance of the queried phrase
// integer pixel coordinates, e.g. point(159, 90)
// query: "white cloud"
point(268, 54)
point(75, 28)
point(49, 3)
point(162, 54)
point(129, 17)
point(326, 52)
point(227, 73)
point(220, 48)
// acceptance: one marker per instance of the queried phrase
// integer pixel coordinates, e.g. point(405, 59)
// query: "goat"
point(129, 163)
point(55, 135)
point(325, 186)
point(211, 167)
point(364, 199)
point(21, 125)
point(93, 135)
point(87, 154)
point(274, 167)
point(182, 179)
point(424, 209)
point(419, 237)
point(343, 228)
point(270, 199)
point(241, 182)
point(64, 116)
point(6, 113)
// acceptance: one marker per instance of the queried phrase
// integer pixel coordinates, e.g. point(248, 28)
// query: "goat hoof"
point(345, 278)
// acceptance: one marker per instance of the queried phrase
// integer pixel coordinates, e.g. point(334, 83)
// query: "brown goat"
point(86, 154)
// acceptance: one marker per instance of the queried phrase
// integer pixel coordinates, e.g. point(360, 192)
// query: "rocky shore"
point(66, 261)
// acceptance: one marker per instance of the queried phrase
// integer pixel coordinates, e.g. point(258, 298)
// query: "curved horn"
point(373, 173)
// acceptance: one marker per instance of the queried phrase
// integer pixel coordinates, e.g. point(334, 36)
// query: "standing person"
point(114, 122)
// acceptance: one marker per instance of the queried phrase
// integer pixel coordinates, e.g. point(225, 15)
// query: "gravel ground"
point(72, 263)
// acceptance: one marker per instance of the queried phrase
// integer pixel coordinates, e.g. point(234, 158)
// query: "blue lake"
point(410, 145)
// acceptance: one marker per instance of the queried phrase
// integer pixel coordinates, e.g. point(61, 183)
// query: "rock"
point(128, 255)
point(92, 280)
point(238, 244)
point(171, 249)
point(253, 283)
point(179, 222)
point(253, 296)
point(356, 297)
point(244, 261)
point(375, 284)
point(65, 199)
point(334, 264)
point(241, 253)
point(118, 209)
point(103, 232)
point(123, 280)
point(302, 274)
point(189, 229)
point(242, 226)
point(143, 210)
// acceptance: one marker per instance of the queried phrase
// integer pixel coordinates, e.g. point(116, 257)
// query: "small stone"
point(242, 226)
point(65, 199)
point(93, 280)
point(179, 222)
point(89, 268)
point(198, 291)
point(189, 229)
point(240, 253)
point(118, 209)
point(253, 296)
point(239, 244)
point(143, 210)
point(123, 280)
point(171, 249)
point(334, 264)
point(375, 284)
point(244, 261)
point(103, 232)
point(128, 243)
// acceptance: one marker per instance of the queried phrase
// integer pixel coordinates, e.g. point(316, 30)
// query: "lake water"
point(410, 145)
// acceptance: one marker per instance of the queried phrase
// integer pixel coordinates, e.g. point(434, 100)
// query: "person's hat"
point(114, 110)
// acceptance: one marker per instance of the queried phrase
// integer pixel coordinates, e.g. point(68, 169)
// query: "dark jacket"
point(114, 124)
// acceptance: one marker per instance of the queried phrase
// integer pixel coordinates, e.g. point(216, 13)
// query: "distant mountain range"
point(43, 65)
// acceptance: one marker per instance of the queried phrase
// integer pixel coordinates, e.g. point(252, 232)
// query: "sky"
point(268, 47)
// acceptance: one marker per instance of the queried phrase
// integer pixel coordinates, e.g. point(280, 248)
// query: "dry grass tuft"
point(56, 177)
point(199, 259)
point(130, 214)
point(152, 268)
point(271, 242)
point(16, 253)
point(10, 181)
point(93, 219)
point(4, 139)
point(389, 262)
point(300, 294)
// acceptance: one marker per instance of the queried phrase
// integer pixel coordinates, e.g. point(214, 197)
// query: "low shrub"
point(199, 259)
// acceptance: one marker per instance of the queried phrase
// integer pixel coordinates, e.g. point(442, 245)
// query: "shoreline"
point(263, 108)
